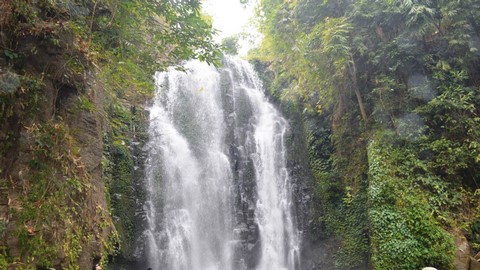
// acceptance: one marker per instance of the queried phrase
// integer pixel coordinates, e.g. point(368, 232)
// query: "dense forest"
point(384, 94)
point(389, 92)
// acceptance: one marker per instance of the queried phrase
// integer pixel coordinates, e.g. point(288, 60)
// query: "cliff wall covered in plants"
point(389, 94)
point(74, 77)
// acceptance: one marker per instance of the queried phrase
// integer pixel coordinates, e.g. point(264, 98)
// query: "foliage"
point(343, 212)
point(230, 45)
point(401, 80)
point(403, 201)
point(123, 171)
point(116, 44)
point(49, 207)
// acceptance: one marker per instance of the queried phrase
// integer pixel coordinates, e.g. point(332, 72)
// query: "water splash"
point(219, 195)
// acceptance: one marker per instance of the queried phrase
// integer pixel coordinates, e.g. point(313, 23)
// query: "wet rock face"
point(238, 114)
point(248, 250)
point(315, 254)
point(246, 232)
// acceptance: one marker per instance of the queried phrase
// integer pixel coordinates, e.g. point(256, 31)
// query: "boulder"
point(462, 256)
point(9, 82)
point(474, 264)
point(477, 257)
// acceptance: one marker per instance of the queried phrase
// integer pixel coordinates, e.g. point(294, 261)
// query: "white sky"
point(230, 17)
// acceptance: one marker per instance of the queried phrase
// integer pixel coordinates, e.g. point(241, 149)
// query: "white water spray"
point(195, 221)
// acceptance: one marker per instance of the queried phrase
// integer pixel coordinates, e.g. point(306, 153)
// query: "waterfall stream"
point(218, 189)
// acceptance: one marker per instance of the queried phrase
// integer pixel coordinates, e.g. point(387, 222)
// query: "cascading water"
point(219, 195)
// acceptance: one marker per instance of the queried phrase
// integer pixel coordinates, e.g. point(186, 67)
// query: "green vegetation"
point(119, 174)
point(50, 207)
point(230, 45)
point(390, 90)
point(70, 69)
point(405, 206)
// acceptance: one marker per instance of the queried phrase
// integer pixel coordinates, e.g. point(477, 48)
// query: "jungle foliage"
point(395, 85)
point(51, 53)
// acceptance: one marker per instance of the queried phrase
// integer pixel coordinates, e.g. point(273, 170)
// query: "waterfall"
point(218, 188)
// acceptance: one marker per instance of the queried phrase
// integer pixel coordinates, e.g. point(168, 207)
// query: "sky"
point(230, 18)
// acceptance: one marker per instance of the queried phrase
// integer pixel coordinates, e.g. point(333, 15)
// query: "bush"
point(405, 233)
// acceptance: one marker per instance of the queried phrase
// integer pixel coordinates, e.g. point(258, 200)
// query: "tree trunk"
point(356, 88)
